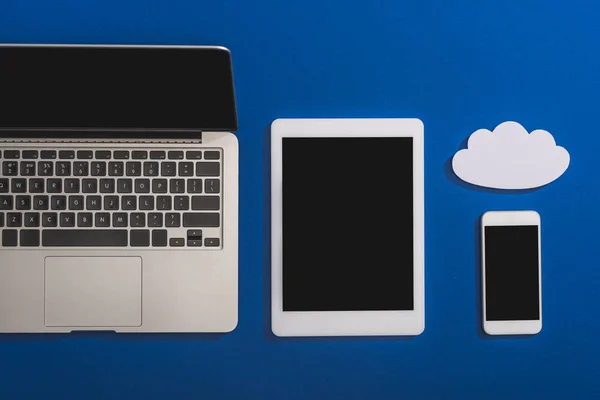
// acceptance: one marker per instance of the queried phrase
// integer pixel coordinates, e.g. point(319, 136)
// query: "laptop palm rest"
point(90, 292)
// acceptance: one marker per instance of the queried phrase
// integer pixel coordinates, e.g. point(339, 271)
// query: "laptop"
point(118, 189)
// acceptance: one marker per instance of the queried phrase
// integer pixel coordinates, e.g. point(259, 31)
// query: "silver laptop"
point(118, 189)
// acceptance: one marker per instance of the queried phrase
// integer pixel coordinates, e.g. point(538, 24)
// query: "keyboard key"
point(128, 203)
point(111, 203)
point(48, 154)
point(3, 185)
point(159, 238)
point(177, 186)
point(32, 220)
point(176, 242)
point(163, 203)
point(137, 220)
point(71, 185)
point(212, 155)
point(103, 220)
point(175, 155)
point(121, 155)
point(173, 220)
point(206, 203)
point(139, 238)
point(157, 155)
point(40, 202)
point(194, 234)
point(63, 168)
point(81, 168)
point(84, 237)
point(30, 154)
point(6, 202)
point(14, 220)
point(75, 202)
point(18, 185)
point(208, 168)
point(159, 186)
point(186, 169)
point(99, 168)
point(58, 202)
point(181, 202)
point(11, 154)
point(66, 155)
point(194, 186)
point(115, 168)
point(193, 155)
point(49, 220)
point(124, 185)
point(151, 168)
point(27, 168)
point(139, 155)
point(36, 186)
point(133, 168)
point(120, 220)
point(84, 220)
point(85, 154)
point(166, 168)
point(23, 203)
point(142, 185)
point(54, 185)
point(67, 220)
point(146, 203)
point(1, 220)
point(93, 203)
point(201, 220)
point(10, 168)
point(29, 238)
point(155, 220)
point(45, 168)
point(10, 237)
point(90, 186)
point(212, 185)
point(107, 185)
point(103, 154)
point(194, 243)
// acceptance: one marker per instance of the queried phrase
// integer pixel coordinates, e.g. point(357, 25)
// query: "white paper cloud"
point(510, 158)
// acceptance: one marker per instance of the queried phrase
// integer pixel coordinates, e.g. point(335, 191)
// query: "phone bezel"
point(510, 218)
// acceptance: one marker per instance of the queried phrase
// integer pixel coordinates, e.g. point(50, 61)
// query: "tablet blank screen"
point(347, 224)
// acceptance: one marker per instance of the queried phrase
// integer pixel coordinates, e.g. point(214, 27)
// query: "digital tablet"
point(347, 227)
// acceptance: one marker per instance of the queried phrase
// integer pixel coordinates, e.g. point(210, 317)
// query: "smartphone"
point(512, 270)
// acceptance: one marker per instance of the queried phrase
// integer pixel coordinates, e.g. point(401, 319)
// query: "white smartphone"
point(512, 271)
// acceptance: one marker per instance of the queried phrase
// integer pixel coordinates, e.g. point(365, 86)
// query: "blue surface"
point(459, 66)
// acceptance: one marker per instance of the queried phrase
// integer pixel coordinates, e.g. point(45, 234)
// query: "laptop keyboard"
point(90, 197)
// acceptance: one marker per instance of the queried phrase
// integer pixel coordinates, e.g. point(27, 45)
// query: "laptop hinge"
point(102, 135)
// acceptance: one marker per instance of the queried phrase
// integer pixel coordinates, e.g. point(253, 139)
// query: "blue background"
point(458, 66)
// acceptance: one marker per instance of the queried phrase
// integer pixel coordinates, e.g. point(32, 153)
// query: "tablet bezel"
point(346, 323)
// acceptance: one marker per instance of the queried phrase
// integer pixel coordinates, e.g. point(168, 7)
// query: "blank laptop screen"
point(347, 224)
point(116, 87)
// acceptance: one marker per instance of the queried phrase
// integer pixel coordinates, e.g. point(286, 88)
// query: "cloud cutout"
point(510, 158)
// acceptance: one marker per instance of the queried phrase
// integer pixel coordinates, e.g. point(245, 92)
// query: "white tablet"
point(347, 227)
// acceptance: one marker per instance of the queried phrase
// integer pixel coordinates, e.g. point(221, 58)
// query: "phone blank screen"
point(347, 224)
point(512, 273)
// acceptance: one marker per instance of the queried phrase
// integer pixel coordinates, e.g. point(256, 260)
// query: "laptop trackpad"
point(93, 291)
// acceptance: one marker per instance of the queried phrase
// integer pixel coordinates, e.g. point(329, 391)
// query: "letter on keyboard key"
point(201, 220)
point(6, 202)
point(84, 238)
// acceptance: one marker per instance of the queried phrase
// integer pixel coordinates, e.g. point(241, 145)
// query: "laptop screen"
point(116, 87)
